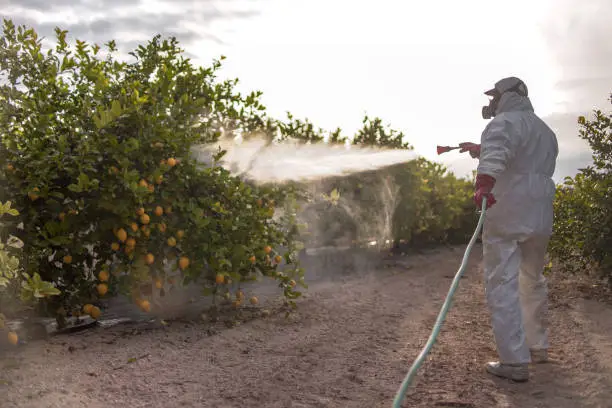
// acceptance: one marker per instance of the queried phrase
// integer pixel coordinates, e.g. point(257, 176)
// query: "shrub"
point(97, 158)
point(582, 237)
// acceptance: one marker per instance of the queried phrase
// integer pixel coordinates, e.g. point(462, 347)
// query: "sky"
point(422, 67)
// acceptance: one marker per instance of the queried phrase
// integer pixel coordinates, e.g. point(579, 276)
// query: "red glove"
point(473, 148)
point(484, 185)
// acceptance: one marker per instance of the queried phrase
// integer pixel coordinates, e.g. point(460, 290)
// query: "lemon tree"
point(97, 159)
point(582, 235)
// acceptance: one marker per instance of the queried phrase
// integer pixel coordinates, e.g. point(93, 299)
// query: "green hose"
point(442, 315)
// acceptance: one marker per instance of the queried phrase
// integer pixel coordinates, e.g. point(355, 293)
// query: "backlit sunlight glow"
point(412, 64)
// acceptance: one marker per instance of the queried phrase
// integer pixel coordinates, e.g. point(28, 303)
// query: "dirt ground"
point(350, 345)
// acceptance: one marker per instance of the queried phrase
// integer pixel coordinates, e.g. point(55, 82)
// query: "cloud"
point(578, 36)
point(44, 5)
point(130, 22)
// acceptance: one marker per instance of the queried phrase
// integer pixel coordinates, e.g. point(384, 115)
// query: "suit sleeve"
point(496, 147)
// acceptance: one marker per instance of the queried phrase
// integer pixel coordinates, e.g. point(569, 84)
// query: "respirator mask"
point(488, 111)
point(511, 84)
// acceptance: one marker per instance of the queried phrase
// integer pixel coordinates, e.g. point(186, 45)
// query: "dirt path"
point(350, 345)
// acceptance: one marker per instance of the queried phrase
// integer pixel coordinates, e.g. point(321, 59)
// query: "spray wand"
point(445, 149)
point(466, 145)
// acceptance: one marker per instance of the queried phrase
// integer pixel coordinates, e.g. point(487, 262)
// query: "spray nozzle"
point(444, 149)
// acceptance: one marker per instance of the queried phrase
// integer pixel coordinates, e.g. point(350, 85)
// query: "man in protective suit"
point(517, 157)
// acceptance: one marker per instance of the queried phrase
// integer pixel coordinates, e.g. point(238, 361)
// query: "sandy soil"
point(350, 345)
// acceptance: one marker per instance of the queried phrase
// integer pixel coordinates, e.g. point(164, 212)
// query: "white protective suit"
point(519, 150)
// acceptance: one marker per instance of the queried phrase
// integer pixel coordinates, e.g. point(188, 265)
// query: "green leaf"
point(57, 195)
point(98, 122)
point(58, 241)
point(116, 108)
point(83, 180)
point(132, 144)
